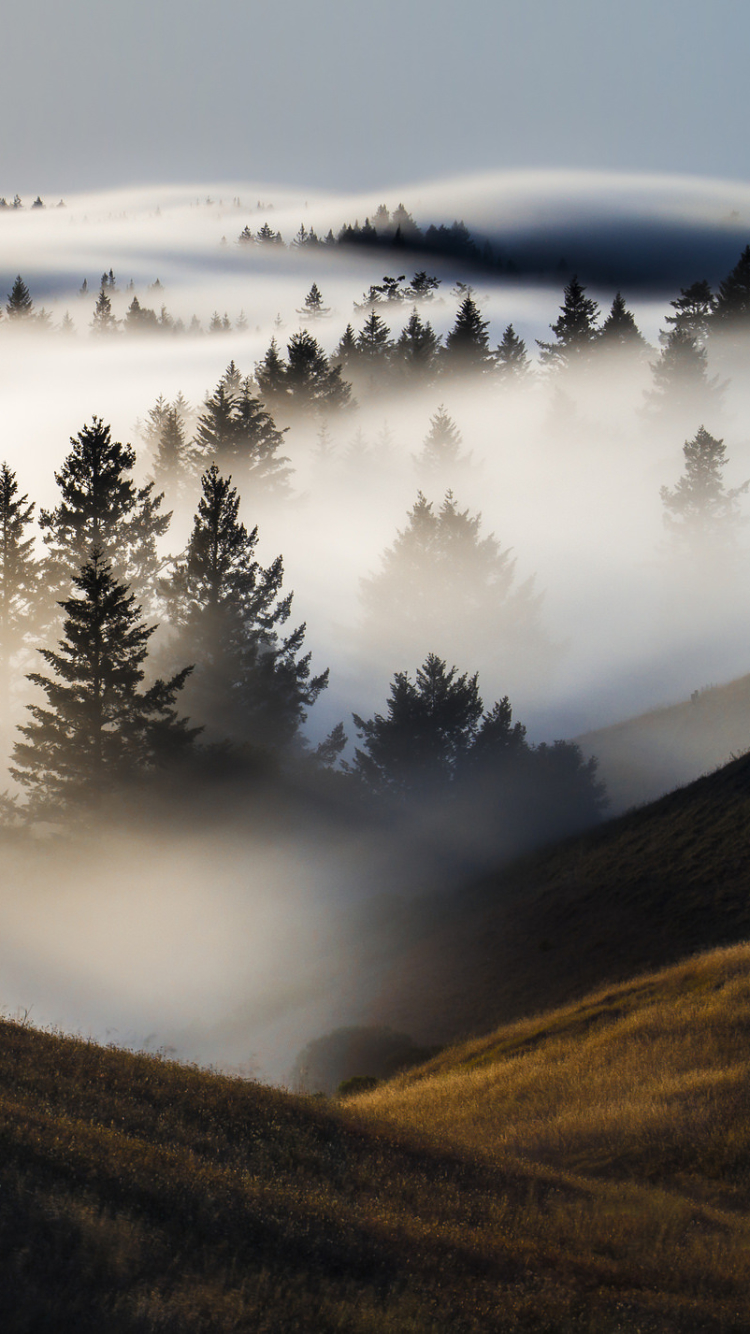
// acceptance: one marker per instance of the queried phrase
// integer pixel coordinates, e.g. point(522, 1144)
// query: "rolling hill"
point(584, 1171)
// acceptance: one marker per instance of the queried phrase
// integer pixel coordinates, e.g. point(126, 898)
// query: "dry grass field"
point(586, 1170)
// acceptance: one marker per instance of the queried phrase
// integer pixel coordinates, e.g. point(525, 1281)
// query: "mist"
point(232, 948)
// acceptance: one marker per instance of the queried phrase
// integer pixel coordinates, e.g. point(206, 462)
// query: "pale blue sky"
point(337, 94)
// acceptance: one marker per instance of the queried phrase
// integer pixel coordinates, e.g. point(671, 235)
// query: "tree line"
point(177, 672)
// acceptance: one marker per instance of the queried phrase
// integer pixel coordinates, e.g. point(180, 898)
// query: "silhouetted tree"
point(99, 729)
point(700, 513)
point(441, 447)
point(140, 319)
point(467, 345)
point(431, 722)
point(416, 349)
point(694, 310)
point(511, 358)
point(731, 313)
point(104, 321)
point(306, 380)
point(681, 383)
point(313, 308)
point(620, 330)
point(102, 509)
point(226, 613)
point(19, 582)
point(174, 461)
point(20, 306)
point(575, 329)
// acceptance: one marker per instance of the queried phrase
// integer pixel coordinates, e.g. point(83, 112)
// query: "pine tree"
point(270, 376)
point(441, 448)
point(313, 308)
point(237, 433)
point(682, 384)
point(731, 314)
point(309, 380)
point(431, 722)
point(620, 330)
point(19, 583)
point(694, 310)
point(226, 612)
point(416, 350)
point(346, 355)
point(104, 321)
point(101, 508)
point(20, 306)
point(575, 329)
point(442, 582)
point(99, 729)
point(467, 345)
point(373, 343)
point(511, 358)
point(174, 462)
point(700, 513)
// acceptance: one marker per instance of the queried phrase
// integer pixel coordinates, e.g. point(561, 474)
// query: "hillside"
point(641, 891)
point(643, 757)
point(588, 1172)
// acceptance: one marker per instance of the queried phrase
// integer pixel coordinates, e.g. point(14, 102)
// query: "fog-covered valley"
point(235, 948)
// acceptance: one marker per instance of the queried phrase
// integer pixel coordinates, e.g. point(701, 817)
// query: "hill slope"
point(639, 892)
point(643, 757)
point(143, 1196)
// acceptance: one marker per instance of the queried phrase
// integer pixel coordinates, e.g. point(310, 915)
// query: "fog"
point(185, 945)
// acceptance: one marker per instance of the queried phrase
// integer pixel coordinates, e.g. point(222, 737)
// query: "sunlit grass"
point(586, 1170)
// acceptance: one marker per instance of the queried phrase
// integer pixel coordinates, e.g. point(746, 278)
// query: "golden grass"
point(631, 1114)
point(586, 1171)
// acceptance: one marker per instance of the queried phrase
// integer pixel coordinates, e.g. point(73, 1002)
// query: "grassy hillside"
point(639, 892)
point(588, 1172)
point(643, 757)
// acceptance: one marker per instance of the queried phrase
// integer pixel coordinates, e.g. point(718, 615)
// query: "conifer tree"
point(346, 355)
point(575, 329)
point(681, 383)
point(250, 683)
point(313, 308)
point(20, 306)
point(620, 330)
point(19, 582)
point(731, 314)
point(100, 507)
point(99, 729)
point(694, 310)
point(309, 380)
point(443, 582)
point(237, 433)
point(467, 345)
point(700, 513)
point(174, 462)
point(511, 358)
point(104, 321)
point(270, 376)
point(441, 448)
point(416, 349)
point(373, 343)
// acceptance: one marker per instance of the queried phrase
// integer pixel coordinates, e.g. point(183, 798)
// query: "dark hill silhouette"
point(642, 891)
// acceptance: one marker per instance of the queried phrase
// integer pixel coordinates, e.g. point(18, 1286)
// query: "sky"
point(340, 95)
